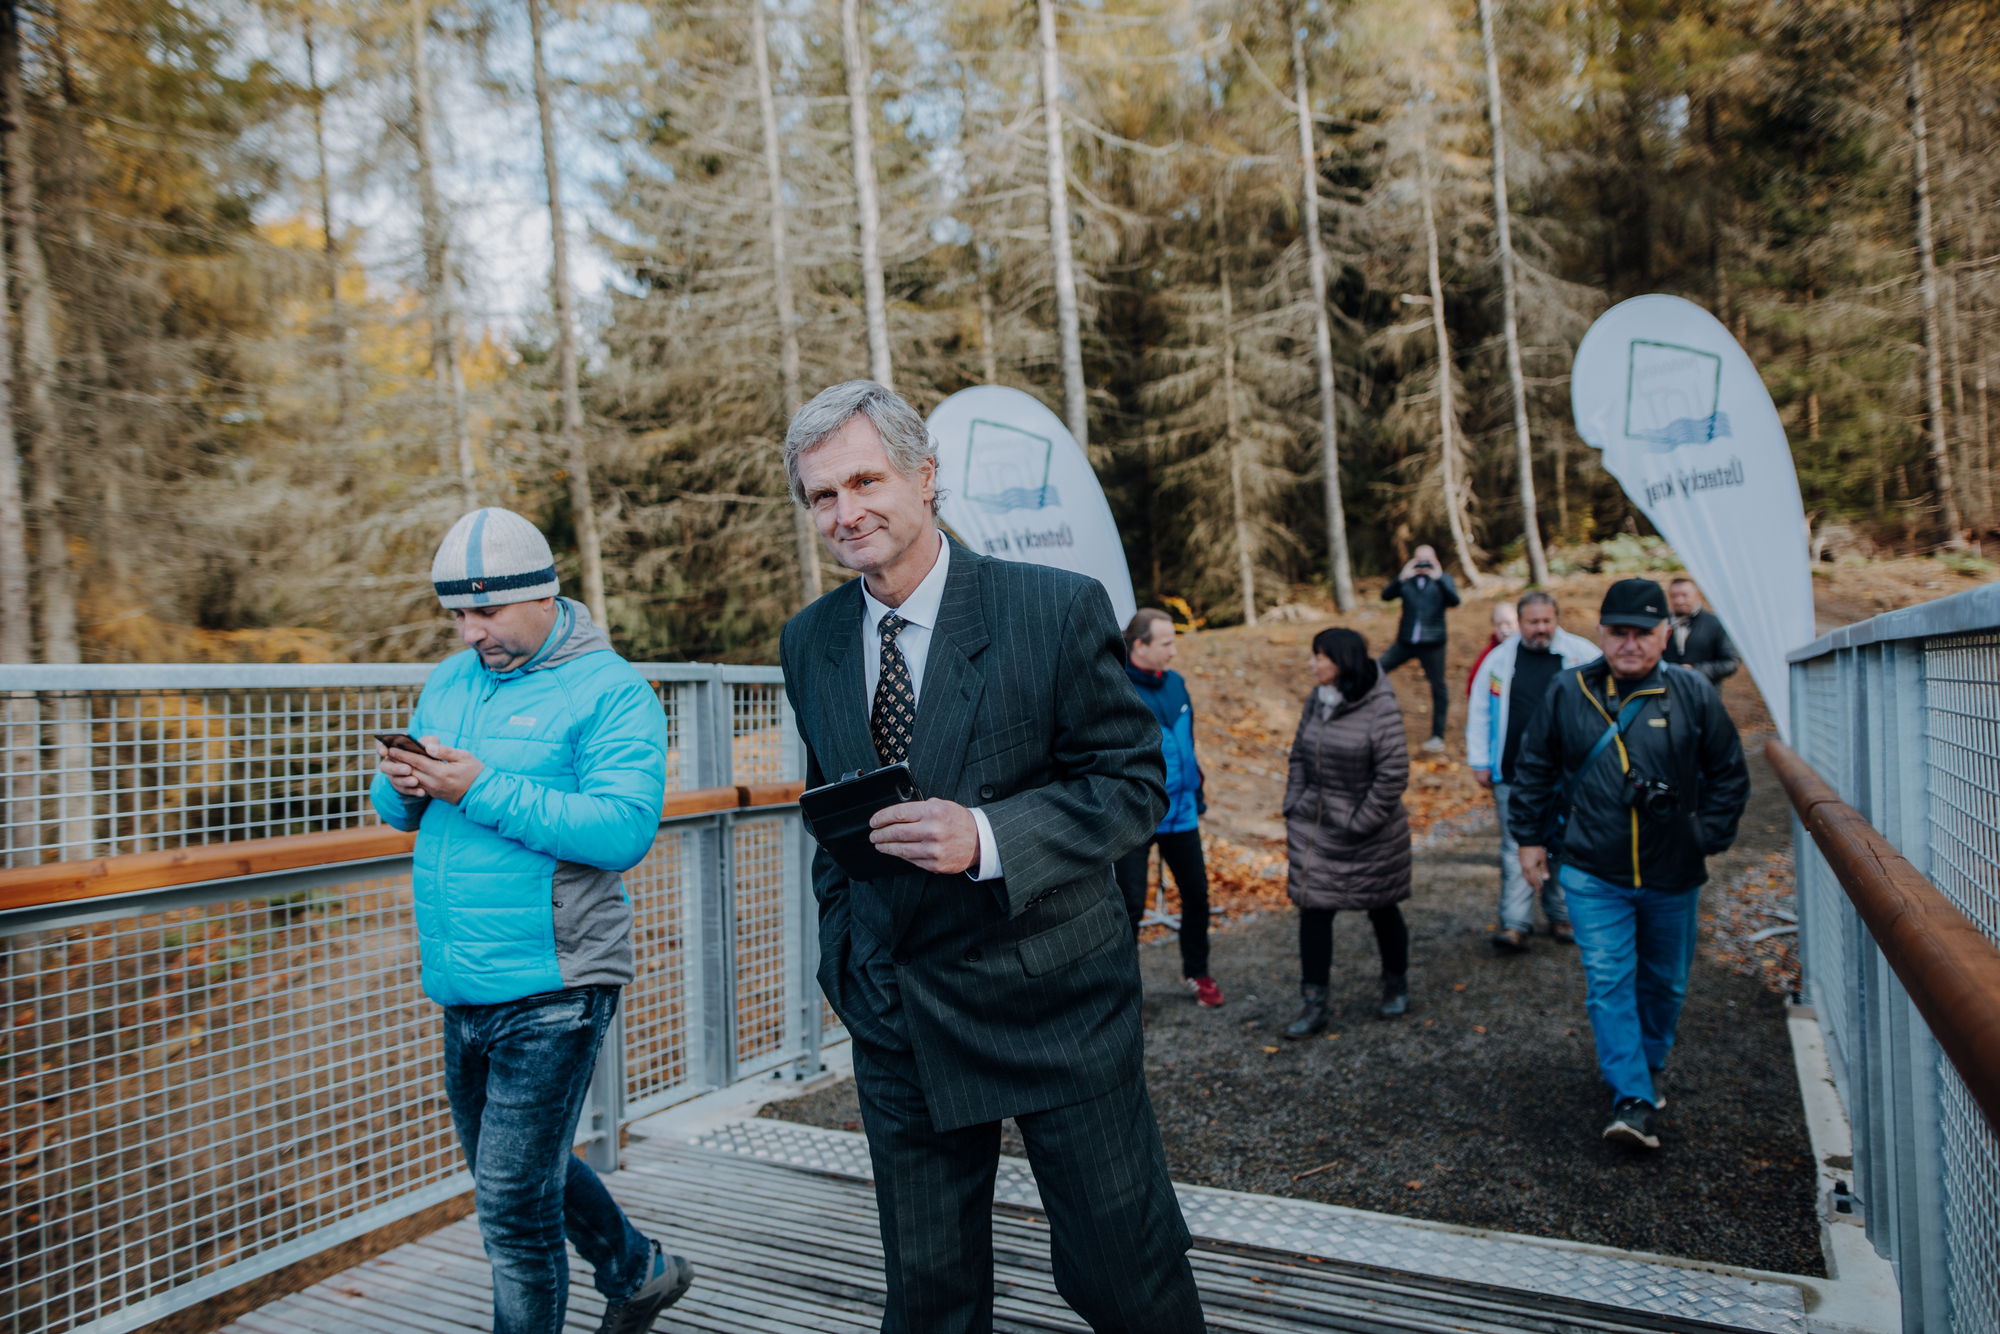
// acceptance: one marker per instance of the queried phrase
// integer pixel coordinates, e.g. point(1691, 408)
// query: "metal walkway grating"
point(779, 1250)
point(1531, 1264)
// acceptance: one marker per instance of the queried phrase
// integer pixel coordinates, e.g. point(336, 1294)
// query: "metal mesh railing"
point(674, 702)
point(1901, 715)
point(1962, 729)
point(657, 1055)
point(92, 773)
point(764, 911)
point(199, 1086)
point(1962, 753)
point(190, 1088)
point(760, 744)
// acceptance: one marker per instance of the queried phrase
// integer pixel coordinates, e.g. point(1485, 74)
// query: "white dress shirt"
point(920, 610)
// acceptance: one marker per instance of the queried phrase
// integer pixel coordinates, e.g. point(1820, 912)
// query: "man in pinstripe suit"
point(998, 977)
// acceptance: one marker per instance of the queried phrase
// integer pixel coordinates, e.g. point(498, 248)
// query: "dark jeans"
point(1117, 1243)
point(1392, 937)
point(1181, 855)
point(1431, 658)
point(516, 1075)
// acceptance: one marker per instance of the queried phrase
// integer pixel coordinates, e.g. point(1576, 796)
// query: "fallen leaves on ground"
point(1751, 904)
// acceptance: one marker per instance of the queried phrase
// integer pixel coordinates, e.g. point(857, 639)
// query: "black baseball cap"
point(1637, 602)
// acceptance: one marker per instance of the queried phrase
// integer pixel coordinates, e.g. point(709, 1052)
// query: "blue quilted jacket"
point(1165, 693)
point(518, 887)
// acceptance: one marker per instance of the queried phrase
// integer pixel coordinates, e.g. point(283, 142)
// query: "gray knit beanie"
point(493, 556)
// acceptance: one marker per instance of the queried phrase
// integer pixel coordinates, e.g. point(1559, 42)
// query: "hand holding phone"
point(400, 775)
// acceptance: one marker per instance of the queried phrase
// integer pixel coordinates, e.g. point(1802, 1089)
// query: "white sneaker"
point(1435, 743)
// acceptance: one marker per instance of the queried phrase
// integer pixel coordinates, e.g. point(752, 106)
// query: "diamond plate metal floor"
point(1410, 1246)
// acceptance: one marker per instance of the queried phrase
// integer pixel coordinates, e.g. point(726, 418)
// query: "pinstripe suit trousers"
point(1117, 1240)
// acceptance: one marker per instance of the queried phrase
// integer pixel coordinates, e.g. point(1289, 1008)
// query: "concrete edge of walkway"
point(1861, 1295)
point(745, 1098)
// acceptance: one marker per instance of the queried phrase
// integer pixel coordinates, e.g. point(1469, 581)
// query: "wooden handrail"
point(136, 872)
point(1946, 964)
point(769, 794)
point(700, 801)
point(62, 882)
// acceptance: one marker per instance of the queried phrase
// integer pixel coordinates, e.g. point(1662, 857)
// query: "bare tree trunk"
point(39, 368)
point(588, 549)
point(989, 357)
point(854, 45)
point(1524, 453)
point(1927, 292)
point(1239, 510)
point(1560, 449)
point(1454, 497)
point(1339, 567)
point(804, 536)
point(339, 330)
point(69, 752)
point(17, 637)
point(1985, 427)
point(1076, 407)
point(447, 375)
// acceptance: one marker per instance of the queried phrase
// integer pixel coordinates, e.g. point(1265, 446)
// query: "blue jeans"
point(1637, 946)
point(1517, 901)
point(516, 1075)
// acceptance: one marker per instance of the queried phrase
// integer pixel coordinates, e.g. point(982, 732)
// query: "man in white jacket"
point(1531, 661)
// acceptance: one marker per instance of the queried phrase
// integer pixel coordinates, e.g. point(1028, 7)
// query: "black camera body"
point(1654, 798)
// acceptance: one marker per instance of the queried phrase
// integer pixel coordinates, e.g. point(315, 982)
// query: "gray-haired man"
point(997, 978)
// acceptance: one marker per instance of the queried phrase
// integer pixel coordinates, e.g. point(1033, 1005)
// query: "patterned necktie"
point(895, 711)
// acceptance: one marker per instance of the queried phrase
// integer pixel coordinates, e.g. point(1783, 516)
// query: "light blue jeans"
point(1637, 946)
point(1517, 901)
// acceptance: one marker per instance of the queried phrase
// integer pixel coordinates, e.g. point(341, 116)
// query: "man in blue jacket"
point(544, 773)
point(1149, 647)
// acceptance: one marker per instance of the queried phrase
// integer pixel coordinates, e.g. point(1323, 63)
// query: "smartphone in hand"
point(402, 741)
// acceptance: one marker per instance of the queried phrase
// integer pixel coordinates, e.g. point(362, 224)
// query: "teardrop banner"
point(1017, 487)
point(1688, 429)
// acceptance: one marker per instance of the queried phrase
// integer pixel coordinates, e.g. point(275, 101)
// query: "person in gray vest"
point(997, 977)
point(1507, 690)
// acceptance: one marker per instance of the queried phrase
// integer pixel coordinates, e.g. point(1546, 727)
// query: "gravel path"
point(1483, 1106)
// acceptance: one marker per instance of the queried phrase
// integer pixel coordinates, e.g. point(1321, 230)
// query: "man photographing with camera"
point(1629, 778)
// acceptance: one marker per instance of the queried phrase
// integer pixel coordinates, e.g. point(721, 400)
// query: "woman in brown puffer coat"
point(1347, 835)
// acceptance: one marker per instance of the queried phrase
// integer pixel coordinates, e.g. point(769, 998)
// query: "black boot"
point(1395, 995)
point(1312, 1014)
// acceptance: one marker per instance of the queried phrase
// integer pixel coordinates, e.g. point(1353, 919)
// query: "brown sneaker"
point(1510, 940)
point(1562, 932)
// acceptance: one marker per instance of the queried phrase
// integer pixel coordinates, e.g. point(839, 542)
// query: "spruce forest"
point(1307, 278)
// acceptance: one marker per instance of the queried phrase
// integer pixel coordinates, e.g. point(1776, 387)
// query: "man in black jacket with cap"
point(1636, 771)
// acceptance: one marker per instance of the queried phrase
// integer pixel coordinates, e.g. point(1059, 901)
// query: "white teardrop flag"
point(1018, 487)
point(1688, 429)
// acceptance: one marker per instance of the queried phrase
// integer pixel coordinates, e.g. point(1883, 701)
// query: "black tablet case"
point(837, 817)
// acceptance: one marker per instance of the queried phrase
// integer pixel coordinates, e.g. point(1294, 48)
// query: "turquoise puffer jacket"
point(518, 887)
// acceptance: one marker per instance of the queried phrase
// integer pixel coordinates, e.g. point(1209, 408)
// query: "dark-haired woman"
point(1347, 835)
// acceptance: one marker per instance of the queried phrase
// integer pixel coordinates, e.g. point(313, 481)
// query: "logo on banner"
point(1008, 469)
point(1672, 396)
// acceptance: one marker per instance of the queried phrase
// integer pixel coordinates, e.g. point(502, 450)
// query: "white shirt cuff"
point(989, 851)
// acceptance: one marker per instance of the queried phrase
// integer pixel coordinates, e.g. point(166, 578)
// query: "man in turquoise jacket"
point(542, 781)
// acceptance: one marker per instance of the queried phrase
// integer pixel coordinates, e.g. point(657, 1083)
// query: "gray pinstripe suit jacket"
point(1021, 994)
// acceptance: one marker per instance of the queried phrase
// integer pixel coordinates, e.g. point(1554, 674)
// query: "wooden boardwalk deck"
point(779, 1250)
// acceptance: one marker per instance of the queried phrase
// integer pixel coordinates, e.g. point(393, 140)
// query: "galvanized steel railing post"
point(607, 1097)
